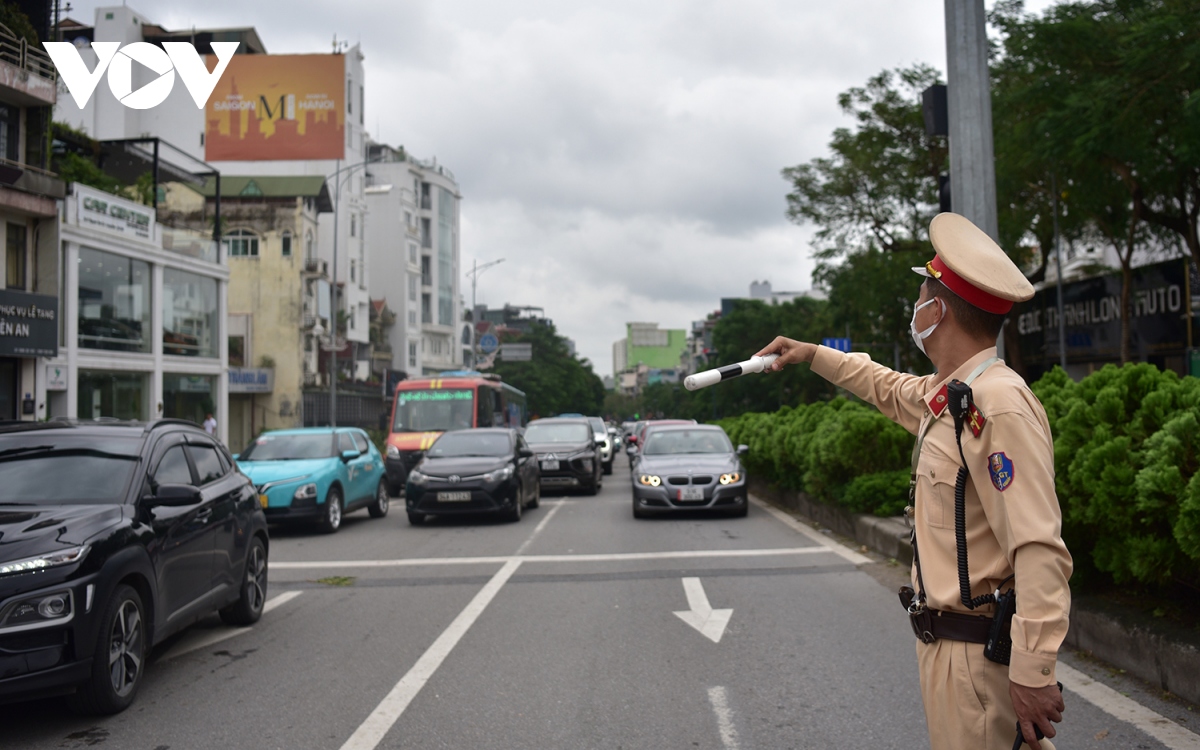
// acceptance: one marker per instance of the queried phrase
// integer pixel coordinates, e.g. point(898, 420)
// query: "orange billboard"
point(277, 107)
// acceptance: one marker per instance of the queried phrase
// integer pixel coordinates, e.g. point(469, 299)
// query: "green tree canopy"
point(554, 381)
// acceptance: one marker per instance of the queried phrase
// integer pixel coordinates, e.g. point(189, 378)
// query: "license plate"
point(549, 465)
point(453, 497)
point(691, 493)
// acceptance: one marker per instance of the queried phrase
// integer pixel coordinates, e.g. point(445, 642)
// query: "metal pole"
point(1062, 324)
point(474, 323)
point(333, 310)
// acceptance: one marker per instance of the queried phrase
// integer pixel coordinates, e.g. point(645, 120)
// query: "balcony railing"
point(16, 51)
point(189, 242)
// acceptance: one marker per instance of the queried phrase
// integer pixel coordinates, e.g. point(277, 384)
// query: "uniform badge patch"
point(1002, 470)
point(976, 419)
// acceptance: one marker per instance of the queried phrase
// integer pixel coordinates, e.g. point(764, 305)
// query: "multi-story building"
point(279, 318)
point(412, 240)
point(29, 195)
point(647, 349)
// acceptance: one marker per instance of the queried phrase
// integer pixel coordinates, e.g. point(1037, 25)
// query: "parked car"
point(316, 475)
point(607, 451)
point(115, 536)
point(568, 453)
point(483, 470)
point(686, 467)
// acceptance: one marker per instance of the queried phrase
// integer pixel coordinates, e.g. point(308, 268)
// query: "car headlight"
point(42, 609)
point(650, 480)
point(393, 452)
point(417, 477)
point(41, 562)
point(730, 478)
point(305, 492)
point(499, 475)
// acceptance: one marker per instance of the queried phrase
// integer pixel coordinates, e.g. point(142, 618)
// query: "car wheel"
point(249, 607)
point(117, 659)
point(608, 468)
point(383, 499)
point(537, 495)
point(332, 520)
point(742, 511)
point(514, 513)
point(416, 519)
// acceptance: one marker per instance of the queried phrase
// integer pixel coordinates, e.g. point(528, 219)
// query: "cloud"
point(623, 155)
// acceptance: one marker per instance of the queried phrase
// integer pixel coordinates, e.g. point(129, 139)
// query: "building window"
point(426, 271)
point(352, 317)
point(412, 253)
point(412, 288)
point(412, 318)
point(285, 245)
point(10, 132)
point(353, 224)
point(426, 233)
point(113, 394)
point(310, 249)
point(241, 243)
point(353, 265)
point(237, 351)
point(426, 309)
point(412, 354)
point(190, 325)
point(14, 266)
point(189, 396)
point(114, 303)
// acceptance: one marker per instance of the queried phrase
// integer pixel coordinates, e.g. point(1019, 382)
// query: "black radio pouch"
point(999, 644)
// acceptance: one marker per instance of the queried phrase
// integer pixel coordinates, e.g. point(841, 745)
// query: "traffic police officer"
point(1012, 517)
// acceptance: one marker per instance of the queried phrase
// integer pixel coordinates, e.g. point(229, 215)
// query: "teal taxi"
point(316, 475)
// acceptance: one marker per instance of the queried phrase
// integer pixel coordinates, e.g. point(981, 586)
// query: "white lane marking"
point(610, 557)
point(217, 636)
point(720, 706)
point(1125, 709)
point(834, 547)
point(700, 615)
point(524, 546)
point(372, 731)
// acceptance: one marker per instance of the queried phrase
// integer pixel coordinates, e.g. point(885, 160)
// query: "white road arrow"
point(700, 615)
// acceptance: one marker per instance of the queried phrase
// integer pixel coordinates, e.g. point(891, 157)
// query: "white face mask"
point(919, 337)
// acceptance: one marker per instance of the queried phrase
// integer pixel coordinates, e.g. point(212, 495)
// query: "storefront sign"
point(100, 210)
point(28, 324)
point(251, 379)
point(56, 377)
point(1092, 318)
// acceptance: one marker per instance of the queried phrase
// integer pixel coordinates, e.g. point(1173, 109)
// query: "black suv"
point(113, 536)
point(568, 453)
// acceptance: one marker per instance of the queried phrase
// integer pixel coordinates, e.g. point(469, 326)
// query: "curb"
point(1164, 656)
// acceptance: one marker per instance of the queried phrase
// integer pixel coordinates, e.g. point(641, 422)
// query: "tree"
point(554, 381)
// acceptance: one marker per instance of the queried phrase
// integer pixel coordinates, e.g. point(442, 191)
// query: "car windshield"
point(439, 410)
point(677, 442)
point(562, 432)
point(289, 447)
point(47, 470)
point(456, 444)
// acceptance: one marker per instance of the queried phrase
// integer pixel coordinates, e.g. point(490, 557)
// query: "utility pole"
point(969, 106)
point(477, 269)
point(1058, 274)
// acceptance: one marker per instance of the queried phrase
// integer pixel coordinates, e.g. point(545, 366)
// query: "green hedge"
point(1127, 454)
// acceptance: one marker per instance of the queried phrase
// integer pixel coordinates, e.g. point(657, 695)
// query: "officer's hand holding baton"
point(1036, 707)
point(790, 351)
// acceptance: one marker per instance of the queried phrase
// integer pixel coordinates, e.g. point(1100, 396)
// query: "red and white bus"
point(423, 409)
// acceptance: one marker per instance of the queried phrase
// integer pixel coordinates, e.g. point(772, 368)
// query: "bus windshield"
point(439, 410)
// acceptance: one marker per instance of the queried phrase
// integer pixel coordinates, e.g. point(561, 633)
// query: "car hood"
point(262, 472)
point(560, 449)
point(715, 463)
point(464, 466)
point(37, 530)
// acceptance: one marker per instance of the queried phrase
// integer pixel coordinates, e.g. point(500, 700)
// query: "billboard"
point(277, 107)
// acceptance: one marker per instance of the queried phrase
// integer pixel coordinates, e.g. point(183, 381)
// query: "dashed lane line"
point(525, 545)
point(188, 646)
point(720, 705)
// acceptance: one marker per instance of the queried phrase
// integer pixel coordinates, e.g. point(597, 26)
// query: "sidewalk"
point(1165, 656)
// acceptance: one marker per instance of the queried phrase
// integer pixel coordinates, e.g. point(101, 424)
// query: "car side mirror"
point(599, 441)
point(174, 496)
point(348, 456)
point(525, 453)
point(743, 450)
point(235, 456)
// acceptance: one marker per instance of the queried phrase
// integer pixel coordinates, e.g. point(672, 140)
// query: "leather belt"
point(931, 624)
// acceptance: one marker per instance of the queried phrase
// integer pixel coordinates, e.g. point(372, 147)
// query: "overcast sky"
point(622, 156)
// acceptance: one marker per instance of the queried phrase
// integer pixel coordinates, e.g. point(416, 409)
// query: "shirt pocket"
point(936, 477)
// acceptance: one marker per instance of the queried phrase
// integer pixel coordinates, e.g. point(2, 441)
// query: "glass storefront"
point(121, 395)
point(189, 396)
point(8, 387)
point(190, 325)
point(114, 303)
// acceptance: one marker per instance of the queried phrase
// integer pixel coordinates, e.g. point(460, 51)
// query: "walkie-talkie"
point(999, 643)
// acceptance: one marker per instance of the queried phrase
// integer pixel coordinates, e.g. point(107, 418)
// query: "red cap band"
point(963, 288)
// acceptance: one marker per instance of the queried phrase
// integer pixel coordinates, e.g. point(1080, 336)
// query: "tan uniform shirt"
point(1013, 519)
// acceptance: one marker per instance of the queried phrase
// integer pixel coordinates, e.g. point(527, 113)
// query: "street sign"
point(516, 352)
point(488, 343)
point(842, 345)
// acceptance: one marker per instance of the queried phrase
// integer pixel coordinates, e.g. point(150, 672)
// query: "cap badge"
point(932, 271)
